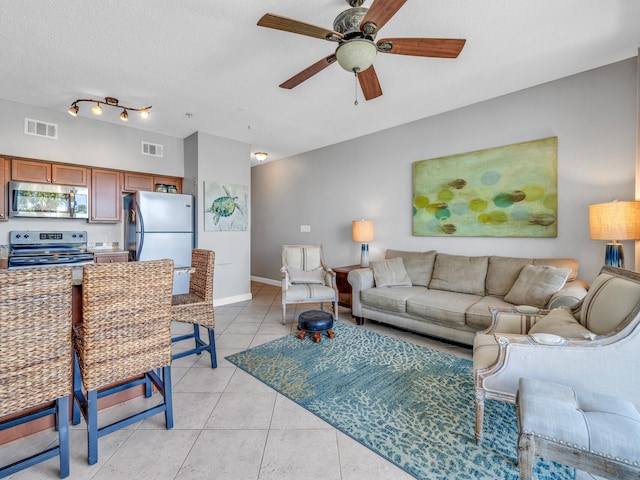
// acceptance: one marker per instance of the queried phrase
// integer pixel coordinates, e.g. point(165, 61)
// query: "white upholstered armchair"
point(306, 278)
point(593, 346)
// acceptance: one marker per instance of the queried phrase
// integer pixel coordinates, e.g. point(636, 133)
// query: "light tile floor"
point(227, 425)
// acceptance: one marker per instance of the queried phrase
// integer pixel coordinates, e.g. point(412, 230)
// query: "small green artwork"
point(509, 191)
point(225, 207)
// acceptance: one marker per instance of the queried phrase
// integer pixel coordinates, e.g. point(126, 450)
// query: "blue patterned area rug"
point(412, 405)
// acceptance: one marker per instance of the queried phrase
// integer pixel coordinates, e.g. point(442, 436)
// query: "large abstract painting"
point(226, 207)
point(509, 191)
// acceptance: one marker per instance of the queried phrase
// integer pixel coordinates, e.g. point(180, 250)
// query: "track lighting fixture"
point(112, 102)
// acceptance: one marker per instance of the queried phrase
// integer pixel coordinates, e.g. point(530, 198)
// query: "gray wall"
point(593, 114)
point(219, 159)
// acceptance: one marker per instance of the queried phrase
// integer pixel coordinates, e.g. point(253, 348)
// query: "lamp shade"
point(614, 221)
point(362, 231)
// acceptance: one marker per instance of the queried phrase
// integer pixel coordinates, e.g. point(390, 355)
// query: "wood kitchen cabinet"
point(106, 196)
point(4, 179)
point(44, 172)
point(177, 181)
point(110, 257)
point(134, 182)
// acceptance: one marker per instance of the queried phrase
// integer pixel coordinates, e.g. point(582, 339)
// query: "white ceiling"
point(208, 58)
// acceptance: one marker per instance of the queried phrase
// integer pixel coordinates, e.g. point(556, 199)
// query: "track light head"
point(73, 110)
point(124, 116)
point(96, 109)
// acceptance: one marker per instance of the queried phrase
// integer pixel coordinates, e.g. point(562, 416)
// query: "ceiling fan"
point(354, 30)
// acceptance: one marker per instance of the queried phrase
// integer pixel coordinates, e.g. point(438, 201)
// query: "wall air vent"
point(40, 129)
point(152, 149)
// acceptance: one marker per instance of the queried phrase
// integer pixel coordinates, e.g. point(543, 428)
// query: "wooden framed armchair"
point(593, 346)
point(306, 278)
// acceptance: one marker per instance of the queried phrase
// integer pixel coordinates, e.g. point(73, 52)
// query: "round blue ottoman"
point(316, 322)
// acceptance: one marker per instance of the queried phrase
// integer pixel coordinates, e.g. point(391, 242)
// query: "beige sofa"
point(449, 296)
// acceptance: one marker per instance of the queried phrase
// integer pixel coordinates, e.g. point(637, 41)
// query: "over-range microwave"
point(48, 200)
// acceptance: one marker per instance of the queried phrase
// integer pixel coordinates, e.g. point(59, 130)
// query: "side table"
point(344, 288)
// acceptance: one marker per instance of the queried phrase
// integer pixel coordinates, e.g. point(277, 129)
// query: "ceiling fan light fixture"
point(356, 55)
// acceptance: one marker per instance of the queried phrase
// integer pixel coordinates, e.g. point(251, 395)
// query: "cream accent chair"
point(598, 346)
point(306, 278)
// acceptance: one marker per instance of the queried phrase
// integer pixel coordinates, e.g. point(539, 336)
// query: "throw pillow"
point(390, 273)
point(536, 284)
point(418, 265)
point(315, 276)
point(560, 321)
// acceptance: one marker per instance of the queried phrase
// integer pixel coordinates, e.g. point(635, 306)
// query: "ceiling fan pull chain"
point(355, 71)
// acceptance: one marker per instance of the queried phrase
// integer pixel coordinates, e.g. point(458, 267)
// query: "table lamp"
point(614, 221)
point(362, 232)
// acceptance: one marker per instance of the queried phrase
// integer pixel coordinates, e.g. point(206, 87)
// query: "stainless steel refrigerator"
point(161, 225)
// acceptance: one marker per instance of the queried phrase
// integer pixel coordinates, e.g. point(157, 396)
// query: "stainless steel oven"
point(48, 200)
point(35, 248)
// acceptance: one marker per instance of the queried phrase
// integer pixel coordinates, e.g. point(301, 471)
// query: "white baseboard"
point(218, 302)
point(268, 281)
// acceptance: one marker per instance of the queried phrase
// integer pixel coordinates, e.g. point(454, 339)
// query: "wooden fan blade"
point(423, 47)
point(270, 20)
point(309, 72)
point(369, 83)
point(380, 13)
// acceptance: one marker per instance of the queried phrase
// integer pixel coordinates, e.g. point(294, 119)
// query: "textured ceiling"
point(208, 58)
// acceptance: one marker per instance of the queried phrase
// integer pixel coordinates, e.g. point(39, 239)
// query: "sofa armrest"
point(569, 295)
point(509, 321)
point(359, 279)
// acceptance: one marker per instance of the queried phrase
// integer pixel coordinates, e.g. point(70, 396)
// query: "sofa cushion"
point(536, 284)
point(389, 299)
point(478, 315)
point(441, 306)
point(502, 273)
point(306, 276)
point(459, 273)
point(390, 273)
point(419, 265)
point(560, 321)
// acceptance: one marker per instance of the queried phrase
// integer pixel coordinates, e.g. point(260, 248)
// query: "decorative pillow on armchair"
point(390, 273)
point(306, 276)
point(536, 284)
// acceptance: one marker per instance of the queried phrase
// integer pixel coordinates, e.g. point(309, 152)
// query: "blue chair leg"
point(92, 425)
point(62, 419)
point(77, 390)
point(168, 399)
point(148, 391)
point(212, 348)
point(196, 336)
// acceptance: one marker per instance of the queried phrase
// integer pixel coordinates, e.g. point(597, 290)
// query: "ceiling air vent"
point(40, 129)
point(152, 149)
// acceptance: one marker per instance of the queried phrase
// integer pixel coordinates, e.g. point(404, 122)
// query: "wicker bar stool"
point(125, 333)
point(196, 307)
point(35, 355)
